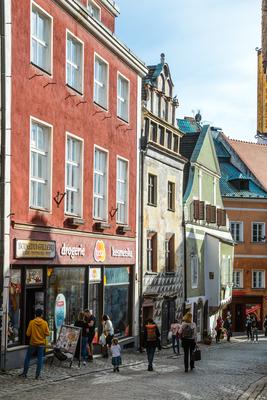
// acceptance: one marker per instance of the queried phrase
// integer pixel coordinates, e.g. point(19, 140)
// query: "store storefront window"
point(116, 298)
point(69, 282)
point(14, 315)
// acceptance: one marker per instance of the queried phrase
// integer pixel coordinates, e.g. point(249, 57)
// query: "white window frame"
point(241, 230)
point(49, 67)
point(241, 278)
point(127, 119)
point(48, 180)
point(126, 202)
point(80, 89)
point(102, 84)
point(194, 271)
point(263, 231)
point(92, 4)
point(79, 209)
point(104, 217)
point(257, 279)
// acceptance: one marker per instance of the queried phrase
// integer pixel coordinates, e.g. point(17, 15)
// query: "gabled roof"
point(230, 173)
point(254, 155)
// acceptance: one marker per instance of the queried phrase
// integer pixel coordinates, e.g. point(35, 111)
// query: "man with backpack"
point(151, 341)
point(188, 334)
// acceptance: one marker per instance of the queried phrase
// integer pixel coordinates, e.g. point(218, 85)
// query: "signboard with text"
point(35, 248)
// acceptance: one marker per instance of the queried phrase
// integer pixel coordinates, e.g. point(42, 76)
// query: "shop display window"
point(69, 282)
point(14, 315)
point(116, 298)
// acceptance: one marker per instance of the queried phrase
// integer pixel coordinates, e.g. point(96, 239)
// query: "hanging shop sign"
point(123, 253)
point(60, 310)
point(72, 251)
point(35, 248)
point(100, 251)
point(94, 275)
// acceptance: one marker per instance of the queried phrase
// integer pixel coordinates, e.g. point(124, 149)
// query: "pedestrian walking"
point(255, 326)
point(218, 329)
point(108, 331)
point(151, 341)
point(248, 325)
point(228, 327)
point(91, 322)
point(175, 326)
point(188, 334)
point(81, 323)
point(265, 325)
point(37, 332)
point(116, 354)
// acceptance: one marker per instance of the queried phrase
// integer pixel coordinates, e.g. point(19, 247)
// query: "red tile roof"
point(254, 155)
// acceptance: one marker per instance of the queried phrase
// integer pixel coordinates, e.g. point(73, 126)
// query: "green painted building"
point(209, 244)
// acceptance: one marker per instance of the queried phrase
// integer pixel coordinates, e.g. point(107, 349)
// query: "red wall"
point(30, 97)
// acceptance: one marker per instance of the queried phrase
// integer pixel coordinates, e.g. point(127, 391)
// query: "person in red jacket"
point(218, 329)
point(37, 332)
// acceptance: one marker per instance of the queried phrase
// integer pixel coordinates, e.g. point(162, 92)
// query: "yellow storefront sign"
point(35, 248)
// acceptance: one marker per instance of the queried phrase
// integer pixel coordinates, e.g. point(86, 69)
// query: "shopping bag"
point(102, 339)
point(196, 354)
point(170, 335)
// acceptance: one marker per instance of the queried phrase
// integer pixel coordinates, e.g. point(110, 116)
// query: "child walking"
point(116, 355)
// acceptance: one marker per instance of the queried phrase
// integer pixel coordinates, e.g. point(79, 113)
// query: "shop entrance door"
point(167, 318)
point(34, 300)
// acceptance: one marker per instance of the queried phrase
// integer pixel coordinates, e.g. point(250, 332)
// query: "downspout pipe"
point(185, 261)
point(2, 178)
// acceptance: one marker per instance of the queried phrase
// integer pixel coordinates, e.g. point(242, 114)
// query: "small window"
point(161, 136)
point(176, 143)
point(41, 49)
point(123, 98)
point(73, 199)
point(237, 231)
point(154, 132)
point(156, 105)
point(74, 63)
point(40, 175)
point(122, 187)
point(101, 82)
point(258, 232)
point(258, 279)
point(100, 185)
point(171, 196)
point(152, 189)
point(169, 139)
point(238, 279)
point(94, 10)
point(194, 271)
point(169, 254)
point(166, 111)
point(152, 252)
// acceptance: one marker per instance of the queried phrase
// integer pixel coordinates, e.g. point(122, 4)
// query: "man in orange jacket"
point(37, 331)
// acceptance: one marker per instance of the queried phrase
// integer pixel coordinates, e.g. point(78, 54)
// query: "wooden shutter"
point(208, 213)
point(201, 210)
point(196, 209)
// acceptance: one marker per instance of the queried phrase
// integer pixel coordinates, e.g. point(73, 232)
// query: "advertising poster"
point(60, 310)
point(68, 338)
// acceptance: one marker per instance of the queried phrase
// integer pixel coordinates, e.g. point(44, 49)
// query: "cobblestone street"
point(227, 372)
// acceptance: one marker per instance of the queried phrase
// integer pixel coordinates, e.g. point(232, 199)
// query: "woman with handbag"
point(188, 334)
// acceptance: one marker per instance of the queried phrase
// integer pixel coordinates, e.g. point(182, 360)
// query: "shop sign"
point(95, 275)
point(100, 251)
point(60, 310)
point(35, 248)
point(74, 251)
point(124, 253)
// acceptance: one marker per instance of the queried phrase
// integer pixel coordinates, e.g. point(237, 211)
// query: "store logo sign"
point(124, 253)
point(78, 251)
point(100, 251)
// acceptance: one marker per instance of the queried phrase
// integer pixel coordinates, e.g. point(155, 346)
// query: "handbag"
point(196, 354)
point(102, 339)
point(170, 335)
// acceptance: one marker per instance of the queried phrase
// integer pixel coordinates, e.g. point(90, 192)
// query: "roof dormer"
point(104, 11)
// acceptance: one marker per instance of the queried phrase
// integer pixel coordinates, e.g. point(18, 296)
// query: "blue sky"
point(210, 48)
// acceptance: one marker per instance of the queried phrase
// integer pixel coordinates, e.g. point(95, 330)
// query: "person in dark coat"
point(228, 327)
point(81, 323)
point(151, 341)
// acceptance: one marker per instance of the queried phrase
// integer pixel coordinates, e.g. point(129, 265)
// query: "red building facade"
point(75, 119)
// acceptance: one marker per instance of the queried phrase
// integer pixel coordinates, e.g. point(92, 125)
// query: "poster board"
point(68, 339)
